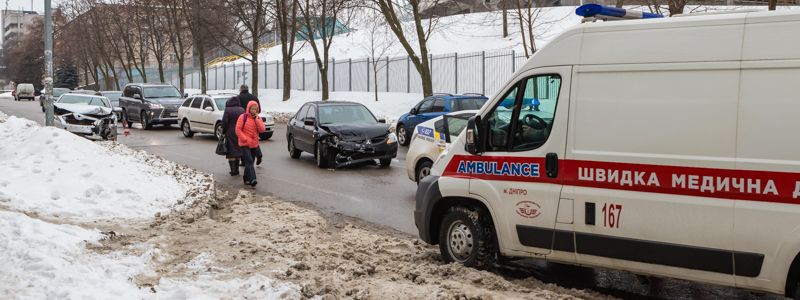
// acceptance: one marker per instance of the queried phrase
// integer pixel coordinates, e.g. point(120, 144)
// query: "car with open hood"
point(150, 104)
point(203, 114)
point(86, 115)
point(340, 134)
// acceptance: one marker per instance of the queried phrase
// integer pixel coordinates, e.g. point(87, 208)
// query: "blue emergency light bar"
point(599, 11)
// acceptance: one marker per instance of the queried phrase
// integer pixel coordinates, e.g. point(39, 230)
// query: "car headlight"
point(156, 105)
point(392, 138)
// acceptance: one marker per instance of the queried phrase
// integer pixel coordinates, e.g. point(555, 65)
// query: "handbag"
point(221, 147)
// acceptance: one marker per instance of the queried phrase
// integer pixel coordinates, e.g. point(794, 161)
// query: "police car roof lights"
point(608, 13)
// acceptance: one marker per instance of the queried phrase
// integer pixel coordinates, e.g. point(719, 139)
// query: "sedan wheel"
point(402, 137)
point(187, 131)
point(321, 156)
point(218, 131)
point(293, 152)
point(423, 169)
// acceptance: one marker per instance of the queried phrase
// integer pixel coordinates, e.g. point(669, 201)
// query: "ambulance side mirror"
point(473, 143)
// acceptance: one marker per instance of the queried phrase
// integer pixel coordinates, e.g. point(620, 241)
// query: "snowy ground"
point(57, 189)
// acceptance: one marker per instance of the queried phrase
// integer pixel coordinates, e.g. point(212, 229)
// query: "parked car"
point(429, 140)
point(433, 107)
point(203, 113)
point(24, 91)
point(57, 92)
point(112, 96)
point(86, 115)
point(150, 104)
point(340, 133)
point(83, 92)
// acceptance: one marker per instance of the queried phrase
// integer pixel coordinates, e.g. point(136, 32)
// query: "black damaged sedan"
point(339, 134)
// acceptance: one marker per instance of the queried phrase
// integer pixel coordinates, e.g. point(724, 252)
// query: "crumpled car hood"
point(358, 131)
point(84, 109)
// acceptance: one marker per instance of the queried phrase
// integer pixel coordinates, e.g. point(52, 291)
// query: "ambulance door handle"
point(551, 165)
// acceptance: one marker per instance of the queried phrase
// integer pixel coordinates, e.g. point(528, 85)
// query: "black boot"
point(234, 164)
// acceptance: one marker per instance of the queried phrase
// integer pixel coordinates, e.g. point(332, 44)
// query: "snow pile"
point(6, 95)
point(50, 261)
point(52, 172)
point(3, 117)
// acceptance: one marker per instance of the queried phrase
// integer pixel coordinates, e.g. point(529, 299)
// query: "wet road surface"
point(382, 196)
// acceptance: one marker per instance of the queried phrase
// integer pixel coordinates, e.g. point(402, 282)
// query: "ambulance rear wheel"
point(466, 236)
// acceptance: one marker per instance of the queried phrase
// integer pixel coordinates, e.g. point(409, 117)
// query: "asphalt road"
point(382, 196)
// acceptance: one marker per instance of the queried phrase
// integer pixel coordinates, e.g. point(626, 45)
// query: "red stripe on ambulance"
point(779, 187)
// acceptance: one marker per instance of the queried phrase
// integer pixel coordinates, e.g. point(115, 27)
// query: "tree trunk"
point(505, 19)
point(201, 56)
point(323, 78)
point(375, 75)
point(161, 70)
point(181, 80)
point(287, 78)
point(620, 3)
point(773, 4)
point(254, 67)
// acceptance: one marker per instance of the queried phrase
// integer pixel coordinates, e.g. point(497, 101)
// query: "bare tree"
point(395, 11)
point(179, 39)
point(250, 25)
point(198, 15)
point(286, 20)
point(527, 15)
point(157, 38)
point(321, 23)
point(379, 44)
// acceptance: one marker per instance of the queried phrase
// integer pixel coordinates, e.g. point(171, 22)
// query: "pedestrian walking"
point(245, 97)
point(248, 126)
point(232, 113)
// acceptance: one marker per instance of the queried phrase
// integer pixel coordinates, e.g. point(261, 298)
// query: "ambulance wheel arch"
point(443, 206)
point(793, 279)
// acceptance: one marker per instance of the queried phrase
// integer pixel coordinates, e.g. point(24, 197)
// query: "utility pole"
point(48, 61)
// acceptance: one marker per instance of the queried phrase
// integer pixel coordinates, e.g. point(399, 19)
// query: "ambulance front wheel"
point(466, 236)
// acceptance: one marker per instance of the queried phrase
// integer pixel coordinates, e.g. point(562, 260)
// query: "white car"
point(429, 140)
point(203, 113)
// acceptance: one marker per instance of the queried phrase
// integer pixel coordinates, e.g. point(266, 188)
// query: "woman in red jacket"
point(248, 127)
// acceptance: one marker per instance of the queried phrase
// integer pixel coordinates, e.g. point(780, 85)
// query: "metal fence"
point(477, 72)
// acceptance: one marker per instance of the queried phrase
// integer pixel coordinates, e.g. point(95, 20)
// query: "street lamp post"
point(48, 61)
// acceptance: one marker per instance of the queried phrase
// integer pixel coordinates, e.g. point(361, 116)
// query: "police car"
point(429, 140)
point(698, 181)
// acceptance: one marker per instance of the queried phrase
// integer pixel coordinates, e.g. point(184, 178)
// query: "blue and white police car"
point(429, 140)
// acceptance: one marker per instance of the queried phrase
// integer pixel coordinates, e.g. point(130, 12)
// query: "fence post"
point(304, 73)
point(277, 76)
point(368, 79)
point(513, 62)
point(350, 74)
point(455, 62)
point(319, 78)
point(408, 74)
point(224, 77)
point(333, 75)
point(387, 74)
point(483, 72)
point(266, 75)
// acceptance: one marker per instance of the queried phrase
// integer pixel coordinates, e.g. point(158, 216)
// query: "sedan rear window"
point(343, 114)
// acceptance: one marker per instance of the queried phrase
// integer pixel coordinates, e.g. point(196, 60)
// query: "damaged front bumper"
point(349, 152)
point(92, 127)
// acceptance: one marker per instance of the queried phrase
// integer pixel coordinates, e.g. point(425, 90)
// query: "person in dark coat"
point(229, 118)
point(245, 97)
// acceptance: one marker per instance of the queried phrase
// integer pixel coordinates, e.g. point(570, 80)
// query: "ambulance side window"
point(499, 122)
point(523, 119)
point(536, 114)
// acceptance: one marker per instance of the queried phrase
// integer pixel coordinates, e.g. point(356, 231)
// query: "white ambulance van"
point(665, 147)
